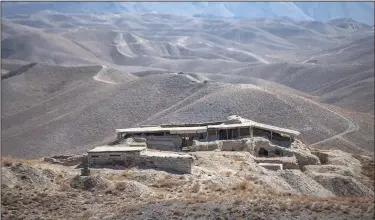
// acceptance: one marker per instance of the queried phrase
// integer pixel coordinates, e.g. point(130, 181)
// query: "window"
point(114, 155)
point(94, 156)
point(245, 131)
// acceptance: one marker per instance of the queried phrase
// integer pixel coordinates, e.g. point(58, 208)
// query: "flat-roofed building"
point(175, 137)
point(114, 155)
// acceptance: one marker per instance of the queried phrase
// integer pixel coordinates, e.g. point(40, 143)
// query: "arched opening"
point(262, 152)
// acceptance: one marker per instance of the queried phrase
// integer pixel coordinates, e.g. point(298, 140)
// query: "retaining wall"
point(166, 143)
point(167, 161)
point(114, 158)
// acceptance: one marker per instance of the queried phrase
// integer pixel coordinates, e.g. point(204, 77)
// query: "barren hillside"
point(68, 80)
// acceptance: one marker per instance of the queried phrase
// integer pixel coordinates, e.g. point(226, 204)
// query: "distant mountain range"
point(319, 11)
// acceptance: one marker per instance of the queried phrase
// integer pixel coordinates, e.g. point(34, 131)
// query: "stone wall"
point(166, 143)
point(129, 158)
point(205, 146)
point(180, 163)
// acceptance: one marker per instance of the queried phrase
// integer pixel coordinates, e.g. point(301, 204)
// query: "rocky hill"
point(222, 184)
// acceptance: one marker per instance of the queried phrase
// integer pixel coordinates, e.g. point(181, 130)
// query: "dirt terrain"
point(68, 80)
point(227, 185)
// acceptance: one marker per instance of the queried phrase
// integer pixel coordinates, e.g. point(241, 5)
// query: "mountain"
point(69, 79)
point(320, 11)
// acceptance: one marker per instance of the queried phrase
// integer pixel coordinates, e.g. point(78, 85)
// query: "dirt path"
point(99, 76)
point(326, 54)
point(351, 125)
point(250, 54)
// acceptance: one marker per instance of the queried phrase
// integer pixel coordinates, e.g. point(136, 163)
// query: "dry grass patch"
point(64, 187)
point(126, 174)
point(244, 185)
point(164, 183)
point(8, 161)
point(228, 174)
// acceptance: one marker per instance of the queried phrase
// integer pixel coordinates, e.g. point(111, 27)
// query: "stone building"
point(114, 155)
point(128, 156)
point(173, 137)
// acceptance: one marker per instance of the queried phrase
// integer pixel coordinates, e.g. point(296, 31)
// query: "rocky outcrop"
point(303, 183)
point(234, 145)
point(342, 185)
point(258, 144)
point(329, 175)
point(89, 182)
point(305, 158)
point(24, 174)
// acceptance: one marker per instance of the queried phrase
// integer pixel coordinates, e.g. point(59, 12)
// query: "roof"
point(250, 123)
point(165, 154)
point(203, 129)
point(119, 148)
point(173, 130)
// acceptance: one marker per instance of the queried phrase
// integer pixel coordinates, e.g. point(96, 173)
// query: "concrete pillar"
point(207, 136)
point(216, 134)
point(238, 132)
point(271, 135)
point(251, 131)
point(226, 131)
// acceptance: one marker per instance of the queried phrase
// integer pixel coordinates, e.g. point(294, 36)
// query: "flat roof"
point(120, 148)
point(165, 154)
point(172, 130)
point(257, 125)
point(203, 129)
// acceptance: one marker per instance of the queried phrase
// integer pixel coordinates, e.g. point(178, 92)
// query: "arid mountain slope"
point(81, 106)
point(69, 80)
point(345, 85)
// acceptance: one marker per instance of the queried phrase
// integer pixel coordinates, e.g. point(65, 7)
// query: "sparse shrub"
point(64, 187)
point(7, 161)
point(196, 187)
point(126, 174)
point(178, 212)
point(120, 186)
point(228, 174)
point(244, 185)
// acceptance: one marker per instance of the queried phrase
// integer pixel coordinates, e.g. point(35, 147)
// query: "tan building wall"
point(129, 158)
